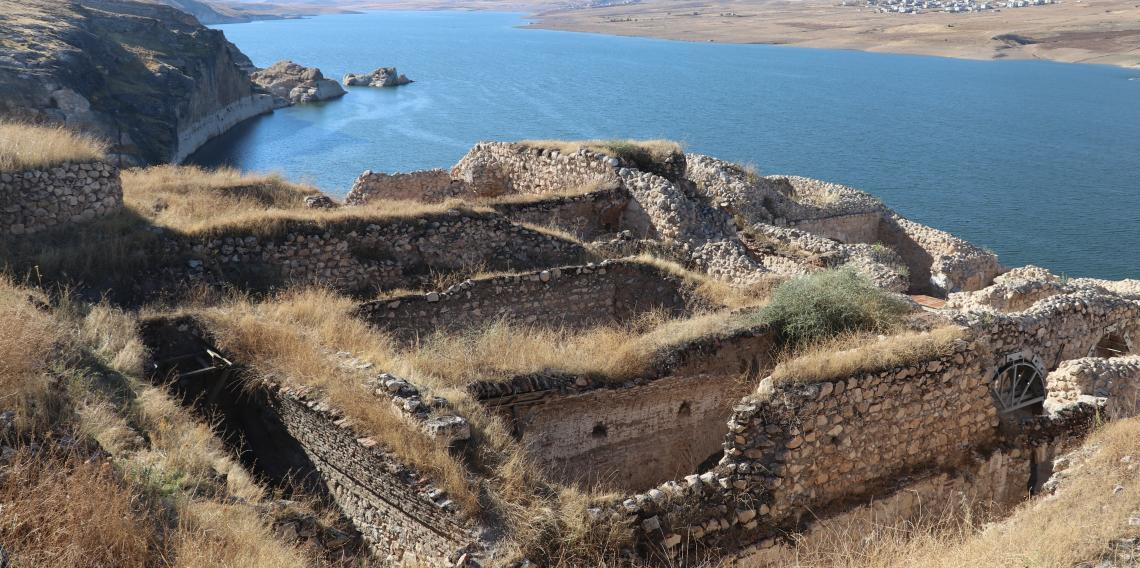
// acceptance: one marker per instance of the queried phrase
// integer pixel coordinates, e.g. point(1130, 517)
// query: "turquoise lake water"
point(1038, 161)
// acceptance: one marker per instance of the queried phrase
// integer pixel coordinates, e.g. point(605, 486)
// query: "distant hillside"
point(147, 77)
point(208, 12)
point(211, 12)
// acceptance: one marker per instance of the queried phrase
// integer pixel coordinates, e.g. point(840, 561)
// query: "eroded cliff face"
point(148, 77)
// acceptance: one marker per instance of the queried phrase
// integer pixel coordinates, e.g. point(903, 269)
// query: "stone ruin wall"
point(1117, 380)
point(588, 216)
point(404, 520)
point(38, 199)
point(498, 168)
point(800, 450)
point(366, 255)
point(294, 435)
point(939, 262)
point(428, 186)
point(796, 451)
point(634, 435)
point(1056, 329)
point(698, 214)
point(852, 228)
point(575, 297)
point(996, 481)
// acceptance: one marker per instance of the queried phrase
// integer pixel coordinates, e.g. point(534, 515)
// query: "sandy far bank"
point(1090, 31)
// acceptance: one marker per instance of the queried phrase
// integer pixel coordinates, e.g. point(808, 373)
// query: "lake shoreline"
point(1092, 40)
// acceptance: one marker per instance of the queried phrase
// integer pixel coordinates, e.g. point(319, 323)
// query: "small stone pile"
point(38, 199)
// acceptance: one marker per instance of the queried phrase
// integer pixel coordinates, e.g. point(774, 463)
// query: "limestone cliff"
point(148, 77)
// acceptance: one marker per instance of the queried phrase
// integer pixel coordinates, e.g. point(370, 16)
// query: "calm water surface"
point(1038, 161)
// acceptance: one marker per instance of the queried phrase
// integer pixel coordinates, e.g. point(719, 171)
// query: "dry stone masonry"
point(716, 456)
point(571, 297)
point(35, 200)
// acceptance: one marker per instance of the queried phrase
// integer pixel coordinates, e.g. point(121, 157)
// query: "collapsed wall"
point(500, 168)
point(574, 297)
point(428, 186)
point(588, 216)
point(38, 199)
point(636, 433)
point(1114, 381)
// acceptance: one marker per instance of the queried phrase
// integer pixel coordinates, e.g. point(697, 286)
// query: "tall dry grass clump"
point(825, 304)
point(63, 512)
point(212, 534)
point(31, 341)
point(25, 147)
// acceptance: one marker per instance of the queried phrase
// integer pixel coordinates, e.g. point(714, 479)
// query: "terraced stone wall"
point(38, 199)
point(361, 256)
point(573, 297)
point(588, 216)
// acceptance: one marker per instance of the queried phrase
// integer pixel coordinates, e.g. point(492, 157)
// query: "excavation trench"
point(303, 448)
point(203, 379)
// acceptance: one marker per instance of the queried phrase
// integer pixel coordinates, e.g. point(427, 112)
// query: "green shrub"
point(825, 304)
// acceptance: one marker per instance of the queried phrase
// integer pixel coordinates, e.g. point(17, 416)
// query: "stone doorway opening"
point(1113, 344)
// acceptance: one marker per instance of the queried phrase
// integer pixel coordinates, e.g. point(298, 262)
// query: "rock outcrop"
point(293, 83)
point(381, 77)
point(147, 77)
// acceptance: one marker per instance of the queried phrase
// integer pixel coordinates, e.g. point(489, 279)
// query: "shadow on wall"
point(918, 261)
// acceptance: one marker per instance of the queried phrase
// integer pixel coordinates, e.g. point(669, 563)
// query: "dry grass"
point(25, 147)
point(212, 534)
point(295, 337)
point(31, 341)
point(1092, 509)
point(501, 350)
point(189, 197)
point(72, 369)
point(717, 292)
point(860, 353)
point(63, 512)
point(195, 201)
